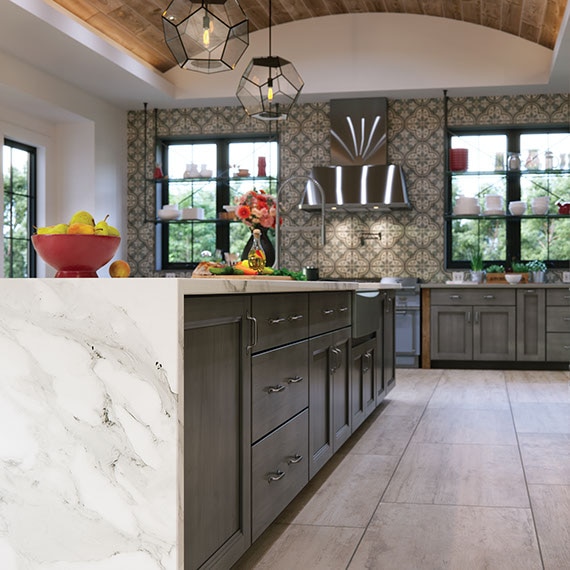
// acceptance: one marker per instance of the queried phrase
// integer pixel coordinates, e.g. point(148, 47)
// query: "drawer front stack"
point(280, 469)
point(558, 325)
point(329, 311)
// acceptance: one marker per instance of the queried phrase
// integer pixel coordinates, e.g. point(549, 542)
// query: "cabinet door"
point(342, 419)
point(494, 335)
point(217, 447)
point(451, 333)
point(363, 381)
point(320, 402)
point(531, 327)
point(388, 343)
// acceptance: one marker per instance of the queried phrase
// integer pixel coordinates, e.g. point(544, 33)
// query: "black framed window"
point(506, 165)
point(203, 179)
point(20, 198)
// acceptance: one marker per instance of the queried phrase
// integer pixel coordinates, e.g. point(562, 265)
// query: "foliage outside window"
point(501, 237)
point(19, 172)
point(185, 243)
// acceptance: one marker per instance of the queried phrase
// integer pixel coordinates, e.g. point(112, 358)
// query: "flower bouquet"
point(256, 209)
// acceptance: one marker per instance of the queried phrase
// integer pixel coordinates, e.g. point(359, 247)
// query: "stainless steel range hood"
point(359, 178)
point(379, 187)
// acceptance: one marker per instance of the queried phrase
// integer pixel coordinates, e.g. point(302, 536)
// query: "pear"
point(55, 229)
point(79, 228)
point(82, 217)
point(102, 227)
point(114, 231)
point(44, 230)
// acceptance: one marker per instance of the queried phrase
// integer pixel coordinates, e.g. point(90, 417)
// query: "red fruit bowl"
point(76, 255)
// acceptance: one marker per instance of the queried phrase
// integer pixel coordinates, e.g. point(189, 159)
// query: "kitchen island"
point(92, 415)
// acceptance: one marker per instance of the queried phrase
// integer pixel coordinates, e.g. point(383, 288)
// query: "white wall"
point(81, 141)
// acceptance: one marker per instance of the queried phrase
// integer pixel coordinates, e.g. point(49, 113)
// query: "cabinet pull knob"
point(276, 321)
point(275, 476)
point(455, 297)
point(343, 309)
point(328, 311)
point(295, 317)
point(488, 297)
point(295, 379)
point(278, 388)
point(295, 459)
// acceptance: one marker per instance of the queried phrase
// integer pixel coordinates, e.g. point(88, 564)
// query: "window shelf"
point(504, 216)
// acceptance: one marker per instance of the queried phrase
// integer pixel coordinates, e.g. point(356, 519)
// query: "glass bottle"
point(256, 255)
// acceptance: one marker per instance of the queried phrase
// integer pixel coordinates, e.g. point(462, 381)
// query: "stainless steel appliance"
point(408, 304)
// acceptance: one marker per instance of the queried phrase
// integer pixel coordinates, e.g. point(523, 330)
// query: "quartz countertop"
point(558, 285)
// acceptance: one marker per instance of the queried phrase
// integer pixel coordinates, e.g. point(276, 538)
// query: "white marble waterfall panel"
point(90, 437)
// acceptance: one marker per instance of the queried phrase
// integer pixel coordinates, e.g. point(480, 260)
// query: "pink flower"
point(256, 209)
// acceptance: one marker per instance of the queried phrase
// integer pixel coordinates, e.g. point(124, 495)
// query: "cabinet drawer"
point(558, 319)
point(481, 296)
point(281, 319)
point(558, 296)
point(279, 386)
point(280, 469)
point(558, 347)
point(329, 311)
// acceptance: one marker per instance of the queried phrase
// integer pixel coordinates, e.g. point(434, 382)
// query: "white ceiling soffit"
point(385, 54)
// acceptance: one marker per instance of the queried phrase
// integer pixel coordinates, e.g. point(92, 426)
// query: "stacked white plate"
point(466, 206)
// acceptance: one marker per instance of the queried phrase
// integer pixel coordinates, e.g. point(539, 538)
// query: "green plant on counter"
point(495, 269)
point(536, 265)
point(476, 261)
point(518, 267)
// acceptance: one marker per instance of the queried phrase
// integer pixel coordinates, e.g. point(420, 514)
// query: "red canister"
point(458, 159)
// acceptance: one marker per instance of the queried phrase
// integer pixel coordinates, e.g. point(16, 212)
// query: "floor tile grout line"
point(526, 483)
point(392, 475)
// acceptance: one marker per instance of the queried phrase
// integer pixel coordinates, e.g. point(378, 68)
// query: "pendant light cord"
point(269, 28)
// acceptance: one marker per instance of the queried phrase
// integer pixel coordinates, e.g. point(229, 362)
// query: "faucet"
point(279, 190)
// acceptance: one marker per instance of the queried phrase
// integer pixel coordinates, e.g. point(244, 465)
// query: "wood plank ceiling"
point(136, 24)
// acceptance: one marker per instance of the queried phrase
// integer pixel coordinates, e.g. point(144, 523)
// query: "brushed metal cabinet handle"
point(276, 476)
point(278, 388)
point(343, 309)
point(295, 459)
point(476, 317)
point(488, 297)
point(276, 321)
point(295, 317)
point(253, 332)
point(328, 311)
point(295, 379)
point(455, 297)
point(469, 317)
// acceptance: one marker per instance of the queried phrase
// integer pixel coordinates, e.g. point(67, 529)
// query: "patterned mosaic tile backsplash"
point(358, 245)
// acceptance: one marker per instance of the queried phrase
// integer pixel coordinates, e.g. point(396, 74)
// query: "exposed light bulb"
point(270, 90)
point(207, 27)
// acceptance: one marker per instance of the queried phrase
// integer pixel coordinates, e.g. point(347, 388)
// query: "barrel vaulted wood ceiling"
point(136, 24)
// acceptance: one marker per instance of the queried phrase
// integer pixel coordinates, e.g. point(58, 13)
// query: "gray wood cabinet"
point(364, 369)
point(558, 325)
point(217, 450)
point(531, 325)
point(329, 396)
point(471, 324)
point(387, 360)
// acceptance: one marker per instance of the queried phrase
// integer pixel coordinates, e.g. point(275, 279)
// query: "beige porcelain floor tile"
point(345, 496)
point(400, 408)
point(387, 435)
point(538, 386)
point(298, 547)
point(471, 389)
point(546, 458)
point(551, 508)
point(479, 475)
point(436, 537)
point(541, 418)
point(444, 425)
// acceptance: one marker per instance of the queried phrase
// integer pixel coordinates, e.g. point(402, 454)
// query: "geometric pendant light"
point(270, 86)
point(206, 36)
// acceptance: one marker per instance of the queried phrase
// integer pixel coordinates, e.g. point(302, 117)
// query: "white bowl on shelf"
point(517, 208)
point(513, 278)
point(168, 214)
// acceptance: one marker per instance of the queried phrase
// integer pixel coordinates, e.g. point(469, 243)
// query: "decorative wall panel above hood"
point(359, 179)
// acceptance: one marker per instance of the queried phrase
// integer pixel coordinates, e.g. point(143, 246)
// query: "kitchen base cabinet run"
point(269, 382)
